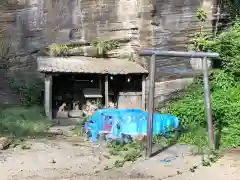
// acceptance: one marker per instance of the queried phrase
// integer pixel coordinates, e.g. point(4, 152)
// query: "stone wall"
point(173, 24)
point(142, 23)
point(38, 23)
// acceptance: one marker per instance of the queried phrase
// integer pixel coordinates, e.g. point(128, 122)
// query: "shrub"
point(30, 91)
point(22, 122)
point(225, 98)
point(225, 92)
point(227, 44)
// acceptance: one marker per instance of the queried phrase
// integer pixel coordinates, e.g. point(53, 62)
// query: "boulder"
point(4, 142)
point(196, 63)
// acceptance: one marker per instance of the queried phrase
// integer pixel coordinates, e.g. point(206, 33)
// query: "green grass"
point(21, 122)
point(196, 136)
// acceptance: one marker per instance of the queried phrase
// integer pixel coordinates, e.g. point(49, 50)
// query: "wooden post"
point(144, 92)
point(150, 109)
point(106, 90)
point(100, 100)
point(100, 84)
point(48, 96)
point(208, 107)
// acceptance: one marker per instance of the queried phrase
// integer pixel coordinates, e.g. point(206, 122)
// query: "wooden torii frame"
point(208, 109)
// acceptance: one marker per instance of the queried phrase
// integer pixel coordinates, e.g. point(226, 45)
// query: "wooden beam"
point(150, 108)
point(100, 84)
point(48, 96)
point(106, 90)
point(144, 92)
point(101, 90)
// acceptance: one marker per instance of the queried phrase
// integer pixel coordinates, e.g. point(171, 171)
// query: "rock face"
point(87, 51)
point(123, 53)
point(137, 23)
point(173, 24)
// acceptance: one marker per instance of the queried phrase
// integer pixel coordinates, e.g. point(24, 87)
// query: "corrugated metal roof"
point(81, 64)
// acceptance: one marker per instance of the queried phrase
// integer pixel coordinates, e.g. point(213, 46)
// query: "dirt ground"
point(71, 158)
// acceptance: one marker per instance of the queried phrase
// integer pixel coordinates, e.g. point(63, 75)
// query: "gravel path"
point(68, 159)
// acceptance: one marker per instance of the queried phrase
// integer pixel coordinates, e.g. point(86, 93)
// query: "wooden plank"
point(106, 90)
point(150, 108)
point(92, 93)
point(100, 83)
point(48, 96)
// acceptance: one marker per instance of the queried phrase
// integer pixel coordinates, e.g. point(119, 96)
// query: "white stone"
point(196, 63)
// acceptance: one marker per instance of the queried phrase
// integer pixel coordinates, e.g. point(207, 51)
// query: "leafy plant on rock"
point(201, 40)
point(57, 50)
point(227, 44)
point(105, 46)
